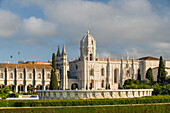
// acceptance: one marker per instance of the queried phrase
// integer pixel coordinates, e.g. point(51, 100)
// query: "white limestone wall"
point(93, 94)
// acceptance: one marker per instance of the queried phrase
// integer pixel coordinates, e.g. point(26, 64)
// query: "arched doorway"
point(11, 87)
point(74, 86)
point(20, 88)
point(29, 87)
point(91, 84)
point(39, 87)
point(47, 87)
point(1, 86)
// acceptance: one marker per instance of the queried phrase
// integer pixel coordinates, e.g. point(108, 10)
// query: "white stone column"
point(16, 88)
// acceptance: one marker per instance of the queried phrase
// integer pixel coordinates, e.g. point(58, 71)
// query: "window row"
point(11, 76)
point(102, 73)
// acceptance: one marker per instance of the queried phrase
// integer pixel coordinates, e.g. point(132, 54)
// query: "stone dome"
point(87, 39)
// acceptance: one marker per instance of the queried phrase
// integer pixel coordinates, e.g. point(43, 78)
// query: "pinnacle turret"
point(64, 50)
point(58, 52)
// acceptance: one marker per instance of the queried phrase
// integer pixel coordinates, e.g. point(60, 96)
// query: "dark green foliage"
point(81, 102)
point(54, 62)
point(158, 89)
point(139, 75)
point(168, 80)
point(74, 87)
point(145, 81)
point(135, 84)
point(131, 81)
point(4, 92)
point(161, 72)
point(54, 79)
point(14, 94)
point(149, 75)
point(106, 86)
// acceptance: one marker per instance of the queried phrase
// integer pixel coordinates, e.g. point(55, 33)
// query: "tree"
point(161, 72)
point(54, 79)
point(54, 62)
point(139, 75)
point(4, 92)
point(149, 75)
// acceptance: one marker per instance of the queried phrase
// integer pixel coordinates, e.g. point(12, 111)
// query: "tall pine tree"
point(161, 72)
point(54, 79)
point(139, 75)
point(149, 75)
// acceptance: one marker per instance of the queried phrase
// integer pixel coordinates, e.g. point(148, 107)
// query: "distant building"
point(22, 76)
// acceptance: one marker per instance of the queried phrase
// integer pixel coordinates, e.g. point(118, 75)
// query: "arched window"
point(127, 73)
point(102, 84)
point(39, 76)
point(92, 72)
point(91, 84)
point(48, 76)
point(11, 75)
point(91, 57)
point(76, 66)
point(92, 42)
point(115, 75)
point(2, 75)
point(20, 75)
point(30, 76)
point(102, 71)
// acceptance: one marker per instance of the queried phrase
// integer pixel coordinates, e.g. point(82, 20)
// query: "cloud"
point(39, 28)
point(129, 25)
point(9, 24)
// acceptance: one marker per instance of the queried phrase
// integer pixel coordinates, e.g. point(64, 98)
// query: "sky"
point(35, 28)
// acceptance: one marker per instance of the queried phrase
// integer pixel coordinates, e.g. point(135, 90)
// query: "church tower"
point(88, 47)
point(64, 76)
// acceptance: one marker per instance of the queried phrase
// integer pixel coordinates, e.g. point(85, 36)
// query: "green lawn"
point(115, 109)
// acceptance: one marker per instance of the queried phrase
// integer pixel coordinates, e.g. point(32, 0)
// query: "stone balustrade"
point(93, 94)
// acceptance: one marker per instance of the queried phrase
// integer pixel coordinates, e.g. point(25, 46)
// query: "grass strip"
point(102, 109)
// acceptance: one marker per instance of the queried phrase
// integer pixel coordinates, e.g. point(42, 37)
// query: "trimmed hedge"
point(81, 102)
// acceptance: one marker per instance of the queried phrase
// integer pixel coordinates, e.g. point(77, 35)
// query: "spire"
point(64, 50)
point(127, 57)
point(58, 52)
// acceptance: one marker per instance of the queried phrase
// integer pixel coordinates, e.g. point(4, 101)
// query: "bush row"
point(81, 102)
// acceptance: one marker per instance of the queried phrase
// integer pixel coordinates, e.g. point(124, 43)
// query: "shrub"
point(78, 102)
point(4, 92)
point(145, 81)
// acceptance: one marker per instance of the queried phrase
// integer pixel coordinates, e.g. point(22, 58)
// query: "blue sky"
point(37, 27)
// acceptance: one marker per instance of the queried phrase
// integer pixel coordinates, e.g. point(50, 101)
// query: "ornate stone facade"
point(91, 72)
point(86, 72)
